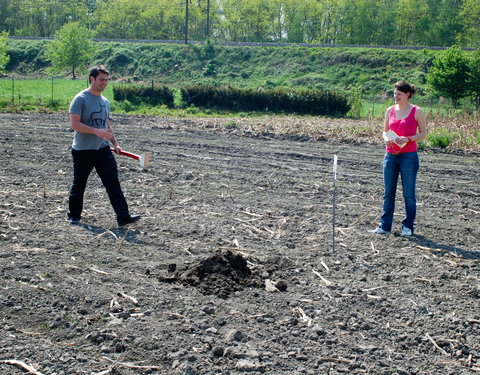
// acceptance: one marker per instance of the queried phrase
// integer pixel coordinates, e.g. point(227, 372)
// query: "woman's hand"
point(401, 140)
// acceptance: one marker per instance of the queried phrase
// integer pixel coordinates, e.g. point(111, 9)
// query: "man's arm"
point(113, 140)
point(107, 134)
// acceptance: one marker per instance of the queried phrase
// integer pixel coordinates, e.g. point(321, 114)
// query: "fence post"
point(334, 202)
point(52, 91)
point(13, 91)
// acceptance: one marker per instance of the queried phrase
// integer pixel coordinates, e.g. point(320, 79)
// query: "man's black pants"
point(104, 163)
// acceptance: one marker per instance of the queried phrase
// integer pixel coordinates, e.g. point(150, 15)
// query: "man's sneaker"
point(406, 231)
point(379, 230)
point(74, 220)
point(129, 220)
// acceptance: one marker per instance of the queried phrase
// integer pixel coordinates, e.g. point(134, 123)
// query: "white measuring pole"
point(334, 200)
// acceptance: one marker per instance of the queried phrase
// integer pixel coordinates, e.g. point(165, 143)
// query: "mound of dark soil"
point(221, 274)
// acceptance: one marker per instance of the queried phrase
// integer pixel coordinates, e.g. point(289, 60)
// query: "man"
point(90, 119)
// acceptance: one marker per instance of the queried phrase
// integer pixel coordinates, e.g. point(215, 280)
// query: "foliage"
point(27, 57)
point(158, 19)
point(450, 73)
point(71, 50)
point(441, 137)
point(142, 94)
point(41, 17)
point(313, 102)
point(231, 124)
point(356, 102)
point(364, 22)
point(4, 58)
point(470, 14)
point(374, 69)
point(209, 49)
point(474, 78)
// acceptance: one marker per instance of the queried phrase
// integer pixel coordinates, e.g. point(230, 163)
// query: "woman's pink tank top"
point(406, 127)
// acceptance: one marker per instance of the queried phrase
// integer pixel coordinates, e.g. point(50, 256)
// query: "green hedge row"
point(140, 94)
point(311, 102)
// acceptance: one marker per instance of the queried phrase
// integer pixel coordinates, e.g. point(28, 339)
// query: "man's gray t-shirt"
point(94, 111)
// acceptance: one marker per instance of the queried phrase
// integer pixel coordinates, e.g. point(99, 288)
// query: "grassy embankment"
point(364, 75)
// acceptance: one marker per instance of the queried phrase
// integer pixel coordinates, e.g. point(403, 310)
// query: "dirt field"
point(226, 212)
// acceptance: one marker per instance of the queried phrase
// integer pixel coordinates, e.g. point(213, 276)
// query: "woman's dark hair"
point(96, 70)
point(405, 87)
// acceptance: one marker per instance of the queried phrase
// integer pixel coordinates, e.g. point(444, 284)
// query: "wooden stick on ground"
point(435, 344)
point(337, 360)
point(22, 365)
point(327, 283)
point(105, 372)
point(303, 317)
point(373, 248)
point(130, 298)
point(99, 271)
point(324, 265)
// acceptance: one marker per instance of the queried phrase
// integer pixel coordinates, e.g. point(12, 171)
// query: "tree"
point(470, 16)
point(412, 22)
point(249, 20)
point(474, 78)
point(4, 58)
point(122, 19)
point(444, 24)
point(323, 22)
point(71, 49)
point(301, 20)
point(366, 22)
point(450, 73)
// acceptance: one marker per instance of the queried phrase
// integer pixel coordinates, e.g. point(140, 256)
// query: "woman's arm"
point(388, 142)
point(421, 125)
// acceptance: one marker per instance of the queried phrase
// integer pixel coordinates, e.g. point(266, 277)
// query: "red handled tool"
point(144, 159)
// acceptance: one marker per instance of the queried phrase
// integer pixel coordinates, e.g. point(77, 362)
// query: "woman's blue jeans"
point(406, 165)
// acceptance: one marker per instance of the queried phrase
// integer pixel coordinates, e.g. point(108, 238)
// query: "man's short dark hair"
point(96, 70)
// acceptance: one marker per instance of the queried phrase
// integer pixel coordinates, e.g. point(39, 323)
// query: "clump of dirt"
point(221, 274)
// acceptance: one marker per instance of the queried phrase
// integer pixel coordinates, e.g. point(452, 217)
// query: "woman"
point(406, 121)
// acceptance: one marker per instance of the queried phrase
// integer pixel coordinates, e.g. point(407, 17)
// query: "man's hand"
point(116, 148)
point(106, 134)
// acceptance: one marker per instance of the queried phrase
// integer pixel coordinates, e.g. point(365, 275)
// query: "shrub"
point(422, 145)
point(441, 138)
point(231, 124)
point(210, 69)
point(127, 106)
point(312, 102)
point(209, 49)
point(142, 94)
point(474, 138)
